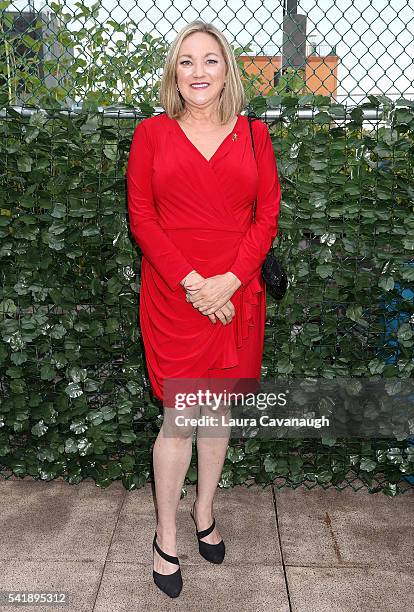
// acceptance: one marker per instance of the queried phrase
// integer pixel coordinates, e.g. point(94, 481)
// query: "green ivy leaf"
point(74, 390)
point(269, 464)
point(405, 332)
point(95, 417)
point(24, 163)
point(367, 464)
point(78, 427)
point(355, 314)
point(71, 446)
point(376, 366)
point(39, 429)
point(192, 474)
point(282, 467)
point(251, 446)
point(128, 437)
point(386, 282)
point(324, 270)
point(234, 454)
point(328, 440)
point(408, 243)
point(47, 372)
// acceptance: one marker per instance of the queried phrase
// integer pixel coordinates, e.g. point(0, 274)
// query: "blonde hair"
point(233, 98)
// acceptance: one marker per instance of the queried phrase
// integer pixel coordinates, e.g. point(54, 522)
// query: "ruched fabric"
point(189, 213)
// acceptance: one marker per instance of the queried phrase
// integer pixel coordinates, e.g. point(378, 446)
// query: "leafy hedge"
point(75, 397)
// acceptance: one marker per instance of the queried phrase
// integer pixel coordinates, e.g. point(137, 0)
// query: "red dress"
point(189, 213)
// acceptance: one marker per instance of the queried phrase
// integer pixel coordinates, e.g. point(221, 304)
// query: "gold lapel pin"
point(235, 137)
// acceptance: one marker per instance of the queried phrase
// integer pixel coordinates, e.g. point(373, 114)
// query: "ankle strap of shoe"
point(206, 532)
point(163, 554)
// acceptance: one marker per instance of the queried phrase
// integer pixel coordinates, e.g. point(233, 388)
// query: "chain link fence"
point(112, 51)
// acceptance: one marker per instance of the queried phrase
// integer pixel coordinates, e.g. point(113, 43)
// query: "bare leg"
point(212, 442)
point(171, 459)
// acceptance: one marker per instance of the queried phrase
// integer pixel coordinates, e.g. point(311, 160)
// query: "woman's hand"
point(196, 281)
point(211, 294)
point(225, 314)
point(192, 278)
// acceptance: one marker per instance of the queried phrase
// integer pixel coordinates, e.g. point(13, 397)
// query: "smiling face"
point(201, 70)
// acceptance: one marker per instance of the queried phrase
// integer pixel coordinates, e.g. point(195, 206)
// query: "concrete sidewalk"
point(302, 550)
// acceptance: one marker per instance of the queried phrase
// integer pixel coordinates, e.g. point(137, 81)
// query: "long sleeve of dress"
point(260, 235)
point(154, 243)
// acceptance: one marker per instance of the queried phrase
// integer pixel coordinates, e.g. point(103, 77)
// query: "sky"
point(374, 38)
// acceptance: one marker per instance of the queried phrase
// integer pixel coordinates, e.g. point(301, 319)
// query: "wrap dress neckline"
point(219, 148)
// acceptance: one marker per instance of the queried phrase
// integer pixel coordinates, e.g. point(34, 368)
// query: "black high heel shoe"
point(171, 584)
point(212, 552)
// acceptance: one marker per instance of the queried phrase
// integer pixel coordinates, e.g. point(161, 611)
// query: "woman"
point(192, 180)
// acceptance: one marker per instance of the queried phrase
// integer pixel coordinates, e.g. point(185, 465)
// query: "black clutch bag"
point(273, 273)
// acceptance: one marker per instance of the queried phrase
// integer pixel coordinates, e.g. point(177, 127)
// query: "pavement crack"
point(328, 522)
